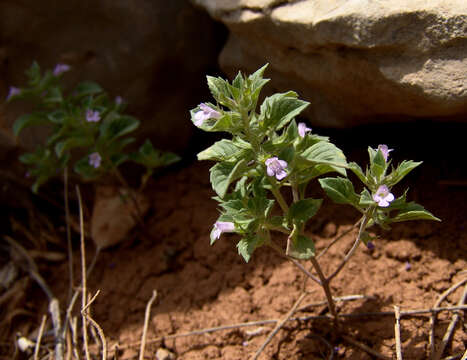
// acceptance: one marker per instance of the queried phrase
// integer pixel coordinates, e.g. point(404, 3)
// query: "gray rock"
point(357, 61)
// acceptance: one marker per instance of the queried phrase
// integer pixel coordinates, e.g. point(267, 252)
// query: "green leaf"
point(378, 165)
point(366, 199)
point(34, 74)
point(402, 170)
point(414, 211)
point(247, 246)
point(88, 88)
point(57, 117)
point(303, 210)
point(224, 173)
point(340, 190)
point(257, 82)
point(115, 126)
point(326, 153)
point(279, 109)
point(357, 170)
point(83, 168)
point(54, 95)
point(79, 140)
point(220, 90)
point(302, 248)
point(28, 120)
point(221, 151)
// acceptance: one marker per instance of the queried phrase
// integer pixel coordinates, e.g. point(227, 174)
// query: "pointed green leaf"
point(340, 190)
point(414, 211)
point(325, 153)
point(224, 173)
point(357, 170)
point(366, 199)
point(78, 140)
point(115, 126)
point(28, 120)
point(303, 210)
point(247, 246)
point(302, 248)
point(279, 109)
point(402, 170)
point(88, 88)
point(221, 151)
point(378, 165)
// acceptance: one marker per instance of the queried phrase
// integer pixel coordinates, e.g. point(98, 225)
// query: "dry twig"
point(397, 332)
point(452, 325)
point(364, 348)
point(146, 321)
point(83, 277)
point(39, 338)
point(279, 325)
point(440, 299)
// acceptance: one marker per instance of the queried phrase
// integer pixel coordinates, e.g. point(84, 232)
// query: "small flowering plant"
point(269, 158)
point(86, 122)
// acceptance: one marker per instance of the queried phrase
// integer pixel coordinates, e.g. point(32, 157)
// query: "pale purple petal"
point(276, 167)
point(60, 69)
point(118, 100)
point(281, 174)
point(199, 118)
point(385, 151)
point(92, 116)
point(222, 227)
point(225, 226)
point(13, 92)
point(95, 160)
point(205, 113)
point(370, 245)
point(382, 196)
point(303, 129)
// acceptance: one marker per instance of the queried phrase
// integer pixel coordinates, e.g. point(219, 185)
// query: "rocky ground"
point(200, 286)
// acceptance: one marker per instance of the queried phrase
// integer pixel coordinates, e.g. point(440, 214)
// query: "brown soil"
point(200, 286)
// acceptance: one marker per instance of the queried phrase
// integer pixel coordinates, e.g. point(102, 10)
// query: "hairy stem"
point(363, 224)
point(326, 288)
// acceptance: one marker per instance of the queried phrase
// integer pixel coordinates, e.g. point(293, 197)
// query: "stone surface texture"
point(152, 53)
point(357, 61)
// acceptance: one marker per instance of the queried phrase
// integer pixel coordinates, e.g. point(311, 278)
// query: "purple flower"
point(95, 160)
point(385, 151)
point(407, 266)
point(370, 245)
point(118, 100)
point(222, 227)
point(383, 197)
point(303, 129)
point(92, 116)
point(60, 69)
point(13, 92)
point(205, 113)
point(276, 167)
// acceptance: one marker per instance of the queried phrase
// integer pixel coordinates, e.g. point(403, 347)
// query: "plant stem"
point(68, 234)
point(295, 262)
point(363, 224)
point(277, 194)
point(326, 288)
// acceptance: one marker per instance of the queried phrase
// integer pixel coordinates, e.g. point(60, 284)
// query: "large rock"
point(357, 61)
point(152, 53)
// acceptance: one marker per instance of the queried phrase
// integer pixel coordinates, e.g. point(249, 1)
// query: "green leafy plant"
point(268, 154)
point(84, 122)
